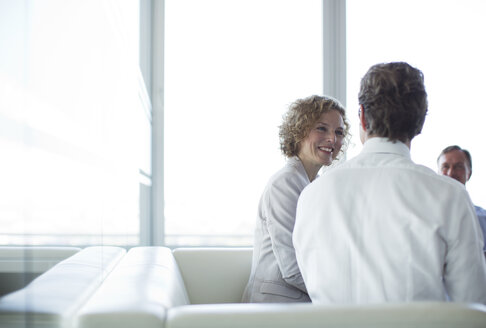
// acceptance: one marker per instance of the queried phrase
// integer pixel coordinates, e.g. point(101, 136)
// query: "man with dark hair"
point(456, 162)
point(380, 228)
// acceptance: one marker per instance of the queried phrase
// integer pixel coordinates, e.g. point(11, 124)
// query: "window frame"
point(152, 66)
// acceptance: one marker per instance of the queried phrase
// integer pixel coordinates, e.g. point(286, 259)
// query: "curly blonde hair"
point(301, 117)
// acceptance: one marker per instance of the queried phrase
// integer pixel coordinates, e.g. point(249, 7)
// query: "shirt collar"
point(295, 161)
point(383, 145)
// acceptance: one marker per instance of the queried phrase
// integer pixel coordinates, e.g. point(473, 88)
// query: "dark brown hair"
point(394, 100)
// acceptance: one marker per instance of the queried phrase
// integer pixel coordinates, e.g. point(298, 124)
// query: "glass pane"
point(231, 70)
point(444, 39)
point(73, 130)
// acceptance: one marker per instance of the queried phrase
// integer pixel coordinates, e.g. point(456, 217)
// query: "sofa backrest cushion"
point(53, 298)
point(416, 315)
point(214, 275)
point(137, 293)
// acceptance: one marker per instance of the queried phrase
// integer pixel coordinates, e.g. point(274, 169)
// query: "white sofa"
point(151, 287)
point(54, 298)
point(20, 265)
point(138, 293)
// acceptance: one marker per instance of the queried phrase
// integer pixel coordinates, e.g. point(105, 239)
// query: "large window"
point(231, 70)
point(445, 39)
point(76, 118)
point(74, 122)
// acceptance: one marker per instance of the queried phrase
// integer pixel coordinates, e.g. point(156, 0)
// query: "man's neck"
point(407, 142)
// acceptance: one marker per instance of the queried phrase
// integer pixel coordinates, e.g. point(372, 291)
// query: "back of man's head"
point(394, 100)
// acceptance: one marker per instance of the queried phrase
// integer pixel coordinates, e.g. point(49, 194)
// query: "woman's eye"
point(340, 132)
point(322, 128)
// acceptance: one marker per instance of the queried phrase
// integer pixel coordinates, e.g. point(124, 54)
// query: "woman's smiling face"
point(324, 141)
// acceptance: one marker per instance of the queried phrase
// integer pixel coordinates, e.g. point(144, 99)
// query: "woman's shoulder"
point(293, 173)
point(285, 186)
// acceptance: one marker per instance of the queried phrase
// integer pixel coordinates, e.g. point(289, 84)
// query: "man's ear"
point(469, 175)
point(362, 119)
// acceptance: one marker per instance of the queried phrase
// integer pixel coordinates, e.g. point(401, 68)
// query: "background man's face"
point(454, 164)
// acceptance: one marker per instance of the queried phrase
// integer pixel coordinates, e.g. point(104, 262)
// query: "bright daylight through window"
point(444, 39)
point(74, 132)
point(232, 68)
point(76, 119)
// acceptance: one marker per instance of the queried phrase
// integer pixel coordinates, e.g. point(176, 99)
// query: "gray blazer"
point(275, 276)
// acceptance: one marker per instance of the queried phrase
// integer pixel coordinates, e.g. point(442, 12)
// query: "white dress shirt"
point(379, 228)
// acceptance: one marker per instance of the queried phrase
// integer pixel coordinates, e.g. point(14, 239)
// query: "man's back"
point(388, 231)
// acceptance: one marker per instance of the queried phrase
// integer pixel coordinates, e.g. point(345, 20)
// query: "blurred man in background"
point(456, 162)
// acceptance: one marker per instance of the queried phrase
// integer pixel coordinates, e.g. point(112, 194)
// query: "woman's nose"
point(331, 137)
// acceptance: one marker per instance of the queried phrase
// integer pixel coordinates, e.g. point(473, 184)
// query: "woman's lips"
point(326, 149)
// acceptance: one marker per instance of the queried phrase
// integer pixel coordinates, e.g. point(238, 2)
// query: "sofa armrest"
point(19, 265)
point(52, 299)
point(416, 315)
point(214, 275)
point(137, 293)
point(33, 259)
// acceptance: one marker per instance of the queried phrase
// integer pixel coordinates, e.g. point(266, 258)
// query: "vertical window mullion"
point(157, 95)
point(334, 43)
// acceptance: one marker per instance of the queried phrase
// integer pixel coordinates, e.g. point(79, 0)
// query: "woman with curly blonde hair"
point(313, 133)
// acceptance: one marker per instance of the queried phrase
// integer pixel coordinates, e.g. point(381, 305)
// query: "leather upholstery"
point(137, 293)
point(214, 275)
point(52, 299)
point(20, 265)
point(416, 315)
point(151, 287)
